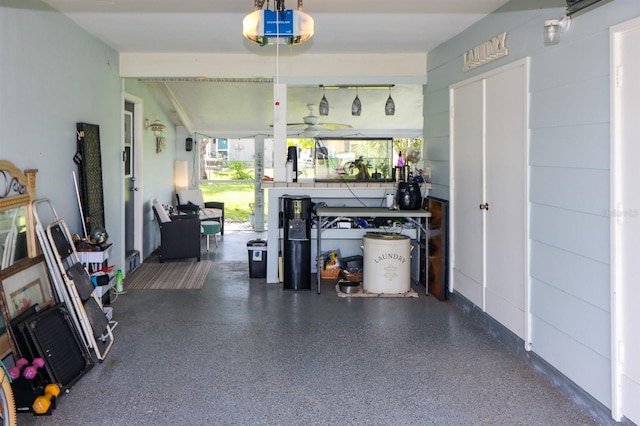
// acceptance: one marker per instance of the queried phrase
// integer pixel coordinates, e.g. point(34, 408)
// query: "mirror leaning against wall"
point(17, 234)
point(18, 246)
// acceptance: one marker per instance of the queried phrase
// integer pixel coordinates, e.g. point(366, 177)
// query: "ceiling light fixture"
point(390, 106)
point(356, 86)
point(323, 108)
point(279, 26)
point(553, 28)
point(356, 106)
point(156, 126)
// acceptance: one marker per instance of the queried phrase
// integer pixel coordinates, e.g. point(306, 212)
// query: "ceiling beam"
point(400, 68)
point(182, 115)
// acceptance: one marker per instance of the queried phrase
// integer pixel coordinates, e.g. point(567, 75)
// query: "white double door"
point(489, 193)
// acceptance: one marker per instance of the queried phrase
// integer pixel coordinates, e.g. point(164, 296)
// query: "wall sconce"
point(161, 143)
point(156, 126)
point(553, 28)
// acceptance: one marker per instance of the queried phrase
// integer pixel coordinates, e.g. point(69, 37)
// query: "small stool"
point(211, 228)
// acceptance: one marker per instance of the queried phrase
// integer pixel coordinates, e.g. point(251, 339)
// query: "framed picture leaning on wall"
point(24, 285)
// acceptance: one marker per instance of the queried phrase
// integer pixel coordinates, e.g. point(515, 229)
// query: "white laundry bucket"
point(386, 263)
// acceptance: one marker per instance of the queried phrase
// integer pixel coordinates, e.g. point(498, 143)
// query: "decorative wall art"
point(24, 286)
point(88, 158)
point(160, 144)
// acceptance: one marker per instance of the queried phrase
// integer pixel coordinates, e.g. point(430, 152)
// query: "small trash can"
point(257, 258)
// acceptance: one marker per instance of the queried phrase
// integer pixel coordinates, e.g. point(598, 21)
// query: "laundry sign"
point(486, 52)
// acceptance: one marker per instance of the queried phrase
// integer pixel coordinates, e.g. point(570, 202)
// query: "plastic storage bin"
point(257, 258)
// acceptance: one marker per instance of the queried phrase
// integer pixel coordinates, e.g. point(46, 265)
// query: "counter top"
point(341, 195)
point(369, 212)
point(337, 184)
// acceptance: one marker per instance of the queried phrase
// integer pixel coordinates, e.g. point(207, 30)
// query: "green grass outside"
point(236, 197)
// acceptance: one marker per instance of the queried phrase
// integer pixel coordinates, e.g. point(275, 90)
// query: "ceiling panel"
point(215, 26)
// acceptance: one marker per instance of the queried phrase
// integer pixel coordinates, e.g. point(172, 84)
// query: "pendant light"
point(390, 106)
point(323, 109)
point(356, 106)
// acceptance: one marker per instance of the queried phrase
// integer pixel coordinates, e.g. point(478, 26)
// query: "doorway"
point(625, 226)
point(132, 193)
point(231, 172)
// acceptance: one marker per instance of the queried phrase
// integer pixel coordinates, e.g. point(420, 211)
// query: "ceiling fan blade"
point(334, 126)
point(312, 121)
point(291, 125)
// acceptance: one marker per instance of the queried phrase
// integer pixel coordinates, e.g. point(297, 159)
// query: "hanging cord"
point(195, 154)
point(278, 55)
point(113, 294)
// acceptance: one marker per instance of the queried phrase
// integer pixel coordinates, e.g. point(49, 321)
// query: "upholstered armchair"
point(192, 200)
point(179, 234)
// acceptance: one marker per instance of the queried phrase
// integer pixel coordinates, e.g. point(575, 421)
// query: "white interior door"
point(467, 191)
point(129, 178)
point(132, 180)
point(625, 226)
point(506, 197)
point(489, 255)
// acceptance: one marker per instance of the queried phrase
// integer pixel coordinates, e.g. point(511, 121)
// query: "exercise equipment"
point(72, 282)
point(14, 372)
point(45, 403)
point(31, 371)
point(51, 335)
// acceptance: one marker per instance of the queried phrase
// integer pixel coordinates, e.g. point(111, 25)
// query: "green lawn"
point(235, 196)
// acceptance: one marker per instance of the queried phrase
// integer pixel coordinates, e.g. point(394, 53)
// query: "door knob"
point(484, 206)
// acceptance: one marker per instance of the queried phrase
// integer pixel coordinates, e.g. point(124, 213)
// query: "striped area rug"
point(170, 275)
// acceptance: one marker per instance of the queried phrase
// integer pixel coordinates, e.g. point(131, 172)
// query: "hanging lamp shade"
point(356, 106)
point(323, 108)
point(390, 106)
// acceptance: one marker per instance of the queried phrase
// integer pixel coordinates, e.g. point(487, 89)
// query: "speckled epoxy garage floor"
point(242, 352)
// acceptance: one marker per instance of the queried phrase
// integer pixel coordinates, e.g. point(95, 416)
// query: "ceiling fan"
point(312, 126)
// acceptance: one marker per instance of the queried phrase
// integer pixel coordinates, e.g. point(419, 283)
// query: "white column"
point(258, 218)
point(279, 131)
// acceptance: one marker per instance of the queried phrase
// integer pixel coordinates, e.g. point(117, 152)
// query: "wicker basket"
point(352, 275)
point(330, 274)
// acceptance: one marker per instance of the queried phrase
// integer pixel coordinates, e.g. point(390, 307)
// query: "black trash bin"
point(257, 258)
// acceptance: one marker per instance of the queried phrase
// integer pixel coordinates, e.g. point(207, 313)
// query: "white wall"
point(53, 75)
point(569, 172)
point(156, 181)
